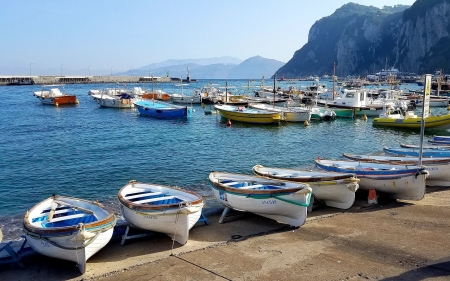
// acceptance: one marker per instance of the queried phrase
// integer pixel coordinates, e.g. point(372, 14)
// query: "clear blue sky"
point(131, 34)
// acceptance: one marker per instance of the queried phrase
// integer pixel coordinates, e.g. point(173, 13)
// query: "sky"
point(95, 37)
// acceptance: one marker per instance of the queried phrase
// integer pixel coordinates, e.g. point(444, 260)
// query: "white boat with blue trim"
point(282, 201)
point(439, 168)
point(397, 181)
point(160, 208)
point(426, 152)
point(333, 189)
point(69, 228)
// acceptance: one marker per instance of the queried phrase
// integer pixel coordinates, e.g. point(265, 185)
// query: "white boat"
point(54, 96)
point(68, 228)
point(282, 201)
point(397, 181)
point(160, 208)
point(439, 168)
point(113, 101)
point(289, 114)
point(334, 189)
point(195, 98)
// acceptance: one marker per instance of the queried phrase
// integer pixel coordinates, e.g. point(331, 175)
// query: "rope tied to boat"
point(181, 205)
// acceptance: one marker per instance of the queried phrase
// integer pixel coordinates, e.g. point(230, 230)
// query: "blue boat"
point(426, 152)
point(441, 138)
point(159, 109)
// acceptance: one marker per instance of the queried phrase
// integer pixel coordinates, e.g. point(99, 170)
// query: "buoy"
point(203, 105)
point(306, 123)
point(229, 123)
point(365, 117)
point(372, 198)
point(77, 101)
point(56, 104)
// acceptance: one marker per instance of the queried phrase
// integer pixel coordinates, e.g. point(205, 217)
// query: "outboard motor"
point(411, 105)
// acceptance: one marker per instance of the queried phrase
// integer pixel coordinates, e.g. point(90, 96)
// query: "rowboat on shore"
point(439, 168)
point(397, 181)
point(68, 228)
point(426, 152)
point(248, 115)
point(160, 208)
point(334, 189)
point(159, 109)
point(54, 96)
point(282, 201)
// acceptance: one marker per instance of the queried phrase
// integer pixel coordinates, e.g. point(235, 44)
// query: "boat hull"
point(115, 103)
point(407, 183)
point(62, 100)
point(334, 190)
point(162, 110)
point(414, 123)
point(79, 256)
point(248, 116)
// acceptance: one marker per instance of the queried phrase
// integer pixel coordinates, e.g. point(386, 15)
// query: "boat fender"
point(424, 172)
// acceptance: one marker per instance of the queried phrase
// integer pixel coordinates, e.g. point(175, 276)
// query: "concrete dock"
point(394, 240)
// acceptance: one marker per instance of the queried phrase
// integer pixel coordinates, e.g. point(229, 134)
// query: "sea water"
point(90, 152)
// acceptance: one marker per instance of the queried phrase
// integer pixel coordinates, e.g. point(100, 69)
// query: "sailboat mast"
point(274, 89)
point(226, 91)
point(334, 77)
point(262, 87)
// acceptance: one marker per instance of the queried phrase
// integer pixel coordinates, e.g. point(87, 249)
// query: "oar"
point(52, 210)
point(75, 207)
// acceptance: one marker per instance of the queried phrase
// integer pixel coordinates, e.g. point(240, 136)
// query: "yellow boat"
point(248, 115)
point(410, 120)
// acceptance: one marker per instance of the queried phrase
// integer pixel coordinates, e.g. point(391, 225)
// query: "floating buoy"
point(56, 104)
point(365, 117)
point(203, 105)
point(77, 101)
point(306, 123)
point(229, 123)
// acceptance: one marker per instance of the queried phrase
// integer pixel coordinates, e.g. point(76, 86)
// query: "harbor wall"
point(43, 80)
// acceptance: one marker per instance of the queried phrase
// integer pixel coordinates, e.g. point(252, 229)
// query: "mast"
point(334, 77)
point(274, 89)
point(262, 87)
point(152, 84)
point(439, 82)
point(226, 91)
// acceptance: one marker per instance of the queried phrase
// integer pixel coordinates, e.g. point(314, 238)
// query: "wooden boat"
point(248, 115)
point(397, 181)
point(114, 101)
point(425, 146)
point(156, 95)
point(289, 114)
point(54, 96)
point(160, 208)
point(439, 168)
point(160, 109)
point(68, 228)
point(283, 201)
point(410, 120)
point(426, 152)
point(334, 189)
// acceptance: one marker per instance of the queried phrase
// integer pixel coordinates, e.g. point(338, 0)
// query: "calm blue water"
point(90, 152)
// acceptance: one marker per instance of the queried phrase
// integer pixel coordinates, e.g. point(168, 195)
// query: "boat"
point(195, 98)
point(160, 208)
point(160, 109)
point(444, 146)
point(426, 152)
point(441, 143)
point(68, 228)
point(397, 181)
point(441, 138)
point(282, 201)
point(411, 120)
point(333, 189)
point(248, 115)
point(55, 96)
point(439, 168)
point(289, 114)
point(157, 95)
point(114, 101)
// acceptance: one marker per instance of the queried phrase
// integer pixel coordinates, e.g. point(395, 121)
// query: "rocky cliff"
point(363, 40)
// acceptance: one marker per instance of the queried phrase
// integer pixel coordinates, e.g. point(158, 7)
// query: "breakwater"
point(47, 80)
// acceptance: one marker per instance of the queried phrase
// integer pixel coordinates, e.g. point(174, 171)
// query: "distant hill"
point(255, 68)
point(213, 68)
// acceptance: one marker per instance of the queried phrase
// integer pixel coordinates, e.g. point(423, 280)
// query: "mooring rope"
point(210, 271)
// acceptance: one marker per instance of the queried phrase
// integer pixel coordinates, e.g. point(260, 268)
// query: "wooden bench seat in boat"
point(70, 220)
point(169, 199)
point(142, 195)
point(68, 217)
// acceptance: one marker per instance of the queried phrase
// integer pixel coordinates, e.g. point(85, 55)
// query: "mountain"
point(255, 68)
point(215, 68)
point(365, 39)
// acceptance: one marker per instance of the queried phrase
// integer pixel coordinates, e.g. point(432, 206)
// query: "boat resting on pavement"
point(282, 201)
point(397, 181)
point(68, 228)
point(334, 189)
